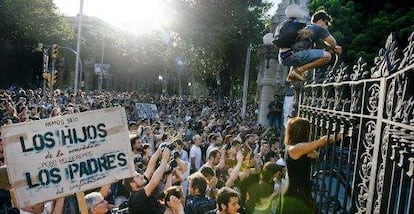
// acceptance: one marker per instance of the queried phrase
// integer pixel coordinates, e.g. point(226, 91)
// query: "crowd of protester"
point(199, 156)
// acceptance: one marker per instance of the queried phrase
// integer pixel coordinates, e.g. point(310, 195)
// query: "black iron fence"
point(371, 170)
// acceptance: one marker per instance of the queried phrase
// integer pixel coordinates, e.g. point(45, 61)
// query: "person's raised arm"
point(168, 181)
point(156, 177)
point(178, 176)
point(176, 205)
point(313, 154)
point(152, 163)
point(298, 150)
point(58, 205)
point(104, 190)
point(221, 163)
point(331, 42)
point(235, 173)
point(181, 165)
point(179, 134)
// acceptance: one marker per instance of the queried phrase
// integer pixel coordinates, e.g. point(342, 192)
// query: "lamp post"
point(79, 62)
point(266, 84)
point(78, 45)
point(160, 79)
point(246, 81)
point(101, 77)
point(180, 69)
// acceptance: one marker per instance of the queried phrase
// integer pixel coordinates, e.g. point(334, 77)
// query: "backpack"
point(286, 33)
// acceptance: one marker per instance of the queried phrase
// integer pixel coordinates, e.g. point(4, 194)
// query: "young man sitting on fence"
point(302, 55)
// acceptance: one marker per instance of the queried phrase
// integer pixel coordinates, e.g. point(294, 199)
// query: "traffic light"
point(56, 77)
point(46, 78)
point(55, 51)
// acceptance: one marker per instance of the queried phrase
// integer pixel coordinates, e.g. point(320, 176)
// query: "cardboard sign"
point(55, 157)
point(147, 110)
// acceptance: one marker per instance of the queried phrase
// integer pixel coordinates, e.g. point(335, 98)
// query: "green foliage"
point(363, 26)
point(32, 21)
point(217, 34)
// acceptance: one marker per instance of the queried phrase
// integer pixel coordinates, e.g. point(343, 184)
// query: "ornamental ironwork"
point(372, 169)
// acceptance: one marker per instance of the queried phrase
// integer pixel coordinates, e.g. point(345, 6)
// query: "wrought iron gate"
point(371, 170)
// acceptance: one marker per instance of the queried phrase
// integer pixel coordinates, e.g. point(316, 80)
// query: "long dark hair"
point(297, 131)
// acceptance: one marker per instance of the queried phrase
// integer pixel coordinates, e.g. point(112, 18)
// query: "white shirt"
point(184, 155)
point(195, 152)
point(46, 210)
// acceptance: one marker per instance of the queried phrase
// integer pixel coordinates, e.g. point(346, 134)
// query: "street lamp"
point(80, 66)
point(101, 75)
point(269, 48)
point(180, 69)
point(78, 40)
point(160, 79)
point(266, 78)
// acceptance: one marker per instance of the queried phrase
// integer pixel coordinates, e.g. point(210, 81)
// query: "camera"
point(139, 166)
point(170, 146)
point(173, 162)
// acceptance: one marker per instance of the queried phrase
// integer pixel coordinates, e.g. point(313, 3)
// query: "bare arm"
point(313, 154)
point(152, 163)
point(331, 42)
point(298, 150)
point(179, 134)
point(177, 176)
point(235, 173)
point(221, 163)
point(156, 177)
point(105, 190)
point(181, 166)
point(58, 206)
point(168, 182)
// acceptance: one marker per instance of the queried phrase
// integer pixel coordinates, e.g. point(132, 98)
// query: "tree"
point(361, 27)
point(217, 34)
point(33, 21)
point(24, 24)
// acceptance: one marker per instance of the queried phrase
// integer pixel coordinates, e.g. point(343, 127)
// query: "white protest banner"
point(147, 110)
point(55, 157)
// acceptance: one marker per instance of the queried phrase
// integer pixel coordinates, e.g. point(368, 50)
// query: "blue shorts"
point(300, 58)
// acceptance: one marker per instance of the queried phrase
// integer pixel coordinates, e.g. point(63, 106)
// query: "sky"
point(142, 15)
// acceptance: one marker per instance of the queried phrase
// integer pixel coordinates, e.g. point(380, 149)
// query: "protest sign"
point(147, 110)
point(55, 157)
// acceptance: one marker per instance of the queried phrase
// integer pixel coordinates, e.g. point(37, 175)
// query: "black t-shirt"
point(139, 202)
point(248, 186)
point(275, 108)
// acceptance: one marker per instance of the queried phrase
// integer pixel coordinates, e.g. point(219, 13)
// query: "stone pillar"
point(271, 79)
point(266, 82)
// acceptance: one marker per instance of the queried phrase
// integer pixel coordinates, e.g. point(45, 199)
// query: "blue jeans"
point(300, 58)
point(275, 121)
